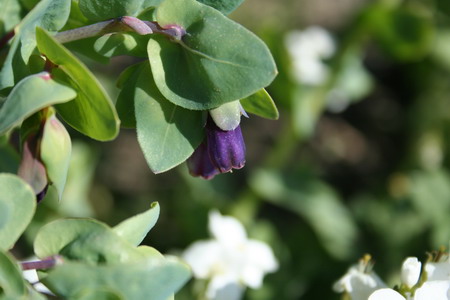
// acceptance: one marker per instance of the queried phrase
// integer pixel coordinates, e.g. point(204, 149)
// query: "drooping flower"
point(359, 281)
point(223, 148)
point(230, 261)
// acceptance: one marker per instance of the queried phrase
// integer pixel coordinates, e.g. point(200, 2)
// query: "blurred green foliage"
point(322, 187)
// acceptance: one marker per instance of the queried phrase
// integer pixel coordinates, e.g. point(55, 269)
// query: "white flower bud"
point(411, 271)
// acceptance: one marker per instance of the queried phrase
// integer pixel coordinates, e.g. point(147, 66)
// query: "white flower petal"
point(260, 255)
point(226, 230)
point(203, 257)
point(433, 290)
point(219, 284)
point(411, 271)
point(386, 294)
point(252, 276)
point(437, 271)
point(32, 277)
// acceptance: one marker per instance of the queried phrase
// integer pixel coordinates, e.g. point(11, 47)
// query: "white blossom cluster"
point(430, 281)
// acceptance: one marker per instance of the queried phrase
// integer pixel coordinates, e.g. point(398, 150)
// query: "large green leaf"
point(30, 95)
point(261, 104)
point(92, 112)
point(167, 134)
point(56, 148)
point(217, 61)
point(17, 205)
point(9, 15)
point(151, 279)
point(136, 228)
point(97, 294)
point(85, 240)
point(11, 281)
point(48, 14)
point(225, 6)
point(122, 44)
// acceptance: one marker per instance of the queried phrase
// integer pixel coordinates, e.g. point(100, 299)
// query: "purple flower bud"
point(226, 148)
point(221, 152)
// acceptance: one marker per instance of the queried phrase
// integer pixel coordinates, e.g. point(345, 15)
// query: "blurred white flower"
point(308, 49)
point(411, 271)
point(32, 277)
point(359, 281)
point(430, 290)
point(230, 260)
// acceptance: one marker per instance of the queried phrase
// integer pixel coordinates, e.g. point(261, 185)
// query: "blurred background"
point(357, 163)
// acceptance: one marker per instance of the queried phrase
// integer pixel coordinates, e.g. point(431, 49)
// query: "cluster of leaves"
point(98, 262)
point(210, 61)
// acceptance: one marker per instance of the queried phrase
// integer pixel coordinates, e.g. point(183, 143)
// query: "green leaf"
point(151, 278)
point(11, 281)
point(56, 148)
point(125, 101)
point(100, 10)
point(30, 95)
point(261, 104)
point(92, 112)
point(136, 228)
point(48, 14)
point(9, 15)
point(224, 6)
point(17, 205)
point(216, 62)
point(84, 240)
point(167, 134)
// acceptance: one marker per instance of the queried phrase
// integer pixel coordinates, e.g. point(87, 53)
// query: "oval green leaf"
point(216, 62)
point(167, 134)
point(100, 10)
point(92, 112)
point(261, 104)
point(30, 95)
point(17, 206)
point(224, 6)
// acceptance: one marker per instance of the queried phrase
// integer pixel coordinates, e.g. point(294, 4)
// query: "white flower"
point(411, 271)
point(358, 282)
point(230, 260)
point(307, 49)
point(430, 290)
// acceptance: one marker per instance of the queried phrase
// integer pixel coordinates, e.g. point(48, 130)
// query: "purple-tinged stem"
point(46, 263)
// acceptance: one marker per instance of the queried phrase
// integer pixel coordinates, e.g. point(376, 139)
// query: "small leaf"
point(17, 205)
point(261, 104)
point(30, 95)
point(48, 14)
point(12, 284)
point(56, 148)
point(151, 278)
point(92, 112)
point(167, 134)
point(216, 62)
point(227, 116)
point(136, 228)
point(224, 6)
